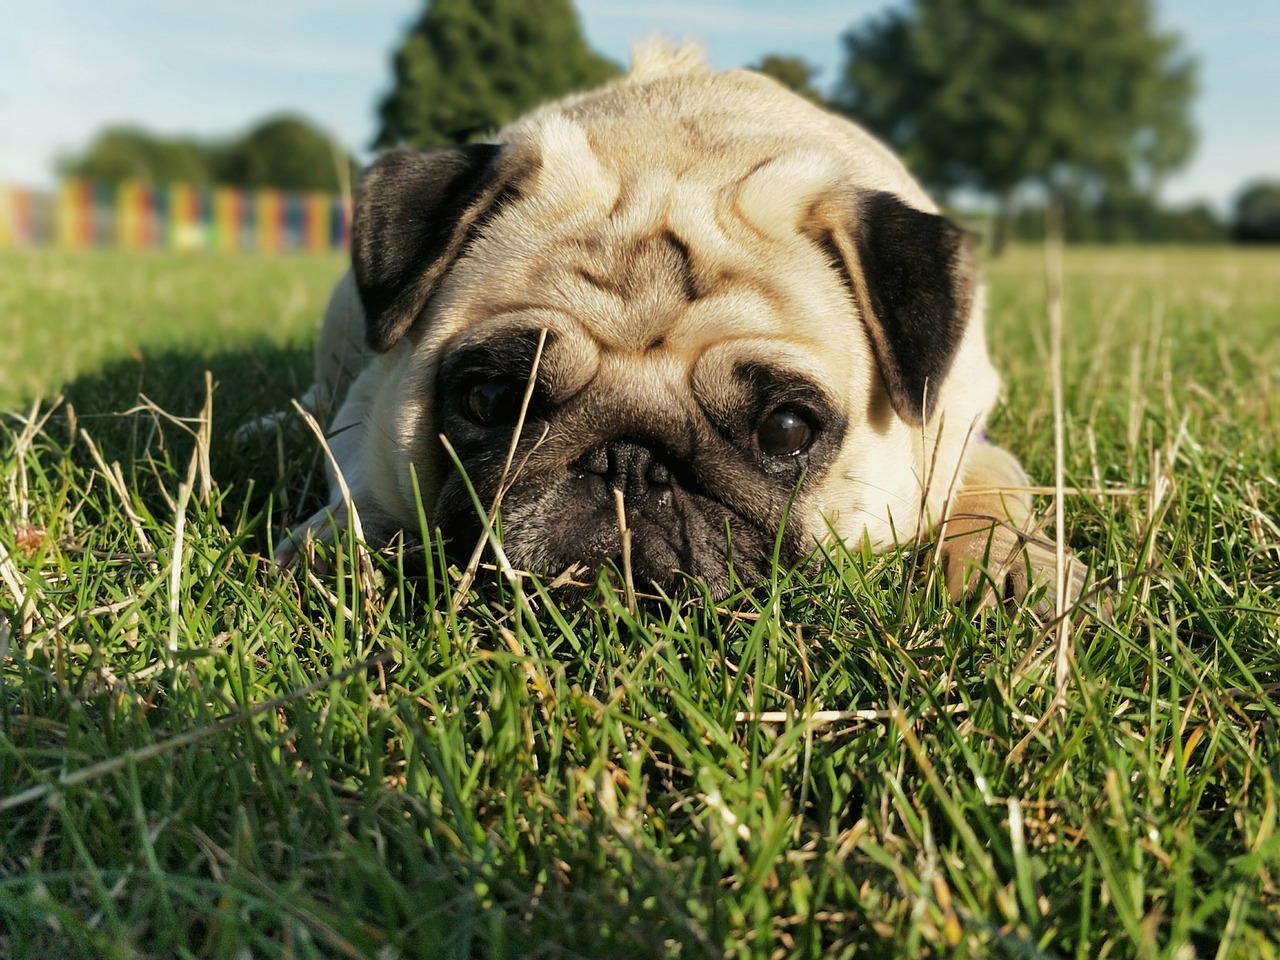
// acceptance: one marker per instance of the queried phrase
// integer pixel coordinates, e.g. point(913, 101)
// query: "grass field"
point(199, 758)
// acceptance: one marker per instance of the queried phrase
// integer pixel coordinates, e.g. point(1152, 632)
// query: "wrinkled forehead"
point(644, 312)
point(660, 262)
point(615, 184)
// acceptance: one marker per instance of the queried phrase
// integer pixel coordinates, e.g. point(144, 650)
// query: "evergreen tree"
point(469, 66)
point(1079, 96)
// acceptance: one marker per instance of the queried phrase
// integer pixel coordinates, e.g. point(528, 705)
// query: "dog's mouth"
point(627, 505)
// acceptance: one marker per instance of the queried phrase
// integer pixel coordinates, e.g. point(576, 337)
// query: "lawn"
point(201, 758)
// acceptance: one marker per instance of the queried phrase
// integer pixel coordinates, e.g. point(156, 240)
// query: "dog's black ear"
point(912, 275)
point(413, 213)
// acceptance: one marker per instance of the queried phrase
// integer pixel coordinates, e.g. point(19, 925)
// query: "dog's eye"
point(492, 404)
point(784, 433)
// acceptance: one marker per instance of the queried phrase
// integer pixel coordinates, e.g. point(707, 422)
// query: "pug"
point(690, 304)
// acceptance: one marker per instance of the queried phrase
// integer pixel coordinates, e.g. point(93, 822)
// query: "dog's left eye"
point(784, 433)
point(492, 404)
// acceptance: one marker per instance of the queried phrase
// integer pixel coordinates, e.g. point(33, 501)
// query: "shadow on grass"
point(116, 406)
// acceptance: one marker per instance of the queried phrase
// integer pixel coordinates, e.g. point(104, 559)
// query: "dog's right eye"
point(784, 433)
point(492, 404)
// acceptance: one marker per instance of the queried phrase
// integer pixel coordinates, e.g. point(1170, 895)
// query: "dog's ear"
point(414, 212)
point(912, 275)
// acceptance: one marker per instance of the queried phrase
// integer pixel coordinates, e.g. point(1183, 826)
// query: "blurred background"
point(239, 125)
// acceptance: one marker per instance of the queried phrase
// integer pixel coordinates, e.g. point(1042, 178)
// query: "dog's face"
point(696, 291)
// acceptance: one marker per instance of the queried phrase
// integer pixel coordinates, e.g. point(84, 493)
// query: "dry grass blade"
point(624, 535)
point(32, 425)
point(1053, 281)
point(115, 480)
point(175, 563)
point(98, 611)
point(821, 717)
point(504, 483)
point(199, 427)
point(935, 563)
point(25, 606)
point(198, 466)
point(1159, 497)
point(1095, 491)
point(363, 563)
point(23, 603)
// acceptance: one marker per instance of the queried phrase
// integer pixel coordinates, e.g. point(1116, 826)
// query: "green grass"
point(247, 765)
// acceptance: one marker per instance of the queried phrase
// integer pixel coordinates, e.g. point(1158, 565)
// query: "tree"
point(469, 66)
point(285, 152)
point(130, 153)
point(1257, 213)
point(795, 73)
point(1075, 96)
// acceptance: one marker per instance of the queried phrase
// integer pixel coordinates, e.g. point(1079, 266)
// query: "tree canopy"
point(285, 152)
point(131, 153)
point(1072, 95)
point(469, 66)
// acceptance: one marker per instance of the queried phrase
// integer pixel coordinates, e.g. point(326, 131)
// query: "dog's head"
point(692, 288)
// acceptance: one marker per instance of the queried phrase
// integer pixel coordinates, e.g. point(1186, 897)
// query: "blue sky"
point(212, 67)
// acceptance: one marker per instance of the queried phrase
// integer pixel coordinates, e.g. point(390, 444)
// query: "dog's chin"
point(687, 538)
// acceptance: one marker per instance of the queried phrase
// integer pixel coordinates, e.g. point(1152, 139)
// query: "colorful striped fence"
point(132, 215)
point(18, 217)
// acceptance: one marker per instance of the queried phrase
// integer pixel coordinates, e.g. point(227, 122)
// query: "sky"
point(212, 68)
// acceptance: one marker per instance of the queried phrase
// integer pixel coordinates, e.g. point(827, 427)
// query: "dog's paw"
point(325, 530)
point(264, 428)
point(316, 402)
point(321, 529)
point(996, 562)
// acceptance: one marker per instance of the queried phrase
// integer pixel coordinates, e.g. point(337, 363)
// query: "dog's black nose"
point(634, 468)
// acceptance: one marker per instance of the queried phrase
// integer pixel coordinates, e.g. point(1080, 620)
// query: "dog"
point(689, 303)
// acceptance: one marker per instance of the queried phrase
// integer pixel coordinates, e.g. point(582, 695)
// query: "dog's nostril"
point(595, 461)
point(658, 474)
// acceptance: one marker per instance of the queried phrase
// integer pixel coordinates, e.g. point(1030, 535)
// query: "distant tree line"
point(999, 105)
point(285, 152)
point(1122, 219)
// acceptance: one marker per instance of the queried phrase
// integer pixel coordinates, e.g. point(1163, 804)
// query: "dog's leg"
point(341, 352)
point(988, 544)
point(327, 526)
